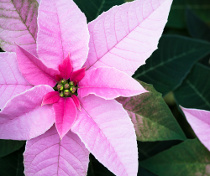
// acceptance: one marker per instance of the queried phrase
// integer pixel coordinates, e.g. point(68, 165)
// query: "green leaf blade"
point(177, 14)
point(12, 164)
point(196, 27)
point(170, 64)
point(152, 119)
point(9, 146)
point(190, 158)
point(194, 92)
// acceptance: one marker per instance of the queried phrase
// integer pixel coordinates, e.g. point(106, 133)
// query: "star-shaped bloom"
point(71, 79)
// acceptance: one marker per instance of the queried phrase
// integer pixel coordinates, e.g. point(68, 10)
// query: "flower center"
point(66, 88)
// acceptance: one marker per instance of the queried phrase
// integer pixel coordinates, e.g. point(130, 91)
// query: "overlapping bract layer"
point(118, 46)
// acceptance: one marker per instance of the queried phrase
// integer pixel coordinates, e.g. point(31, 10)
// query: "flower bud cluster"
point(66, 88)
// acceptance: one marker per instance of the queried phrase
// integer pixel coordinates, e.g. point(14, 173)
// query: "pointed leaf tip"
point(78, 75)
point(109, 83)
point(151, 116)
point(34, 71)
point(65, 68)
point(125, 36)
point(65, 115)
point(51, 98)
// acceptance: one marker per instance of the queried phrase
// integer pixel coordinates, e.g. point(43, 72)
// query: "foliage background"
point(178, 73)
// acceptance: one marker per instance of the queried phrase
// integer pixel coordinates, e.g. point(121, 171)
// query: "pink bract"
point(71, 79)
point(200, 123)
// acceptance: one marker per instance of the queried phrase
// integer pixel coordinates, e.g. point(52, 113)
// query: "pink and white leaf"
point(23, 118)
point(63, 26)
point(48, 155)
point(11, 80)
point(18, 24)
point(34, 70)
point(65, 115)
point(126, 35)
point(108, 133)
point(109, 83)
point(200, 123)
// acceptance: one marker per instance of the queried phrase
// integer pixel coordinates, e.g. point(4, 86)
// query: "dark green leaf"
point(152, 119)
point(144, 172)
point(12, 164)
point(194, 92)
point(189, 158)
point(177, 13)
point(95, 168)
point(206, 60)
point(93, 8)
point(170, 64)
point(196, 27)
point(176, 31)
point(149, 149)
point(9, 146)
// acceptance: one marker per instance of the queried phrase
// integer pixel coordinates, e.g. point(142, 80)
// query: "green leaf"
point(93, 8)
point(177, 13)
point(189, 158)
point(96, 168)
point(12, 164)
point(196, 27)
point(144, 172)
point(148, 149)
point(170, 64)
point(206, 61)
point(152, 119)
point(9, 146)
point(194, 92)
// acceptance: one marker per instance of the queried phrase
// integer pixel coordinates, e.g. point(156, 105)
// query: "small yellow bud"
point(67, 93)
point(61, 94)
point(61, 88)
point(66, 86)
point(62, 81)
point(73, 89)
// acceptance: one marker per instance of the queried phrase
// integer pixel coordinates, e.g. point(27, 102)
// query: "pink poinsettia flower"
point(199, 120)
point(70, 76)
